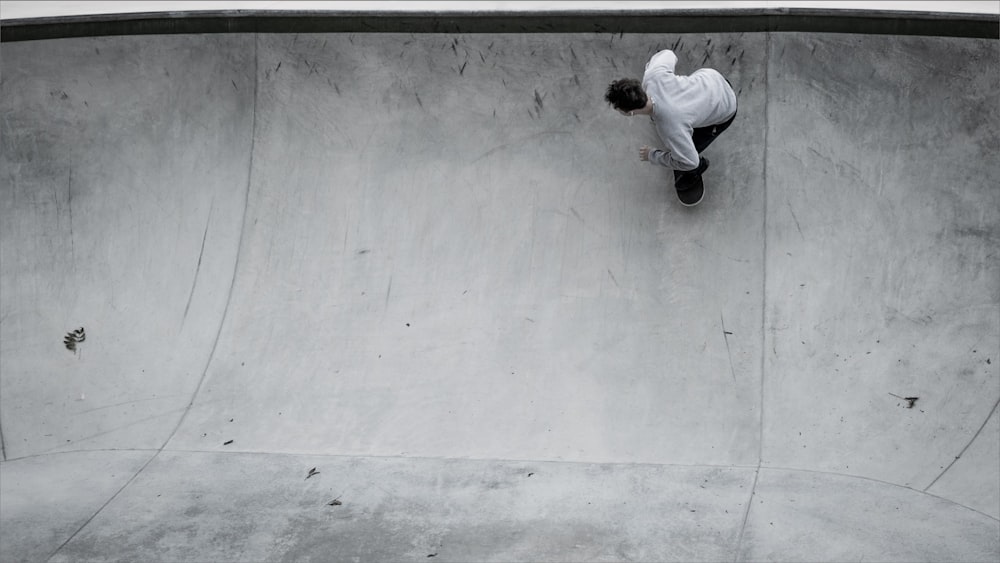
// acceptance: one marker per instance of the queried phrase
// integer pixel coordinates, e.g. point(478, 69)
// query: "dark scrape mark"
point(910, 401)
point(197, 269)
point(538, 101)
point(613, 278)
point(234, 85)
point(419, 102)
point(523, 139)
point(277, 68)
point(461, 70)
point(337, 88)
point(796, 219)
point(73, 338)
point(725, 336)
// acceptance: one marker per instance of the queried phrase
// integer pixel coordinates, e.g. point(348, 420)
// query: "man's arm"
point(665, 58)
point(672, 160)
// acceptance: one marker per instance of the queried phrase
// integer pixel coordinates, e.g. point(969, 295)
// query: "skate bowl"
point(376, 289)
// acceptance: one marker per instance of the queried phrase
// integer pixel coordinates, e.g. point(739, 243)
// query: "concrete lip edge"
point(941, 23)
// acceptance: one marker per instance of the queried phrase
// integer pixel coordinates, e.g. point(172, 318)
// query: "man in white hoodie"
point(689, 112)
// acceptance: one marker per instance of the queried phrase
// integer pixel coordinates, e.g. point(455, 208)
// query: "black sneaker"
point(690, 186)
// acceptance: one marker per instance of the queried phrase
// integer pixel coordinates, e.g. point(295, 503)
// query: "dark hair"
point(626, 94)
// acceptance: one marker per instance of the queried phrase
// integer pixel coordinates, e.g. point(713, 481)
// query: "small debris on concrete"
point(910, 401)
point(227, 443)
point(335, 502)
point(312, 472)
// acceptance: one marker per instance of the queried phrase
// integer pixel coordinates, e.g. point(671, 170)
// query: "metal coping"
point(603, 21)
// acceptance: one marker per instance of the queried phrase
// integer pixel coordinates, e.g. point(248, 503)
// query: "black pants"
point(702, 137)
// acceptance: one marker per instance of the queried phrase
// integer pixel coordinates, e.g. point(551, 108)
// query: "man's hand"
point(644, 153)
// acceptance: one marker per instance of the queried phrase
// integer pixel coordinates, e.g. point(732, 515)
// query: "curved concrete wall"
point(431, 266)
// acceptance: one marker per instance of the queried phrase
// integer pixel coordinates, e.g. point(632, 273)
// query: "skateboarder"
point(689, 112)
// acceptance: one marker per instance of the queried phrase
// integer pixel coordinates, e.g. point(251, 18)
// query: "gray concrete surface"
point(432, 268)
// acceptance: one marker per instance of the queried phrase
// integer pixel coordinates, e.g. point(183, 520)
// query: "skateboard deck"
point(691, 193)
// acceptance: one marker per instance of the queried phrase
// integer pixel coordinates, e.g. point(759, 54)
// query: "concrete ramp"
point(394, 296)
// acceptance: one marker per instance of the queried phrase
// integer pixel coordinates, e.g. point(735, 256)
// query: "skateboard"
point(691, 187)
point(692, 192)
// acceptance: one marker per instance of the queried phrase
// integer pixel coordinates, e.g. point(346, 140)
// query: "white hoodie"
point(681, 104)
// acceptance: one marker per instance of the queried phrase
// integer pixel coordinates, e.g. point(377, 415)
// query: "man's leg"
point(702, 137)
